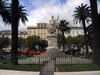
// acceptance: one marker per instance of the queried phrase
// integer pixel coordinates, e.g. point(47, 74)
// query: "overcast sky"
point(40, 11)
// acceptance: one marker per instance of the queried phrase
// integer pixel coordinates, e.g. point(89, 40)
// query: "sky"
point(40, 11)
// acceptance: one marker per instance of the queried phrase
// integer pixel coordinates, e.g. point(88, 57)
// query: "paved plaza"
point(10, 72)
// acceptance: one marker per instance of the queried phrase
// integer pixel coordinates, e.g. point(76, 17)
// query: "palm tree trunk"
point(63, 40)
point(85, 35)
point(96, 33)
point(14, 19)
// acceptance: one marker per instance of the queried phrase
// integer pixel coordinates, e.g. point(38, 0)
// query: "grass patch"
point(7, 66)
point(80, 67)
point(20, 67)
point(87, 58)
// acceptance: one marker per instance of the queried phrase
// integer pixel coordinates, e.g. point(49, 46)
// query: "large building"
point(75, 31)
point(7, 33)
point(39, 30)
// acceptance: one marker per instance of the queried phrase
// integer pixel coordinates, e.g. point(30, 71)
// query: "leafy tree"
point(96, 33)
point(59, 40)
point(32, 42)
point(4, 42)
point(82, 14)
point(42, 44)
point(62, 27)
point(79, 41)
point(20, 42)
point(70, 42)
point(24, 44)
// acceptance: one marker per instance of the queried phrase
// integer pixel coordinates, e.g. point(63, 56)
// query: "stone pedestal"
point(52, 44)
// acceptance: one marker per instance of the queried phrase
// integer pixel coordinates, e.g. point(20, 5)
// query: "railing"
point(60, 62)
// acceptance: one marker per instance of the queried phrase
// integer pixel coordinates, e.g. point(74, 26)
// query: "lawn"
point(6, 66)
point(80, 67)
point(20, 67)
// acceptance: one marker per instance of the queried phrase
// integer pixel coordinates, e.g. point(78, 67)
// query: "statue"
point(52, 26)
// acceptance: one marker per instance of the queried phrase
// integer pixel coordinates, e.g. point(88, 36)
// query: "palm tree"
point(21, 14)
point(17, 13)
point(62, 27)
point(96, 33)
point(82, 14)
point(4, 11)
point(14, 21)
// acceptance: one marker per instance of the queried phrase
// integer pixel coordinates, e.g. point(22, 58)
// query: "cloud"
point(45, 10)
point(40, 11)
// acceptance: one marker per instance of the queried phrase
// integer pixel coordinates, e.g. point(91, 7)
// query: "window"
point(44, 38)
point(44, 30)
point(41, 35)
point(69, 32)
point(41, 30)
point(42, 25)
point(34, 30)
point(81, 32)
point(20, 35)
point(73, 32)
point(24, 35)
point(30, 30)
point(29, 34)
point(38, 30)
point(6, 35)
point(38, 25)
point(77, 32)
point(45, 35)
point(38, 34)
point(33, 34)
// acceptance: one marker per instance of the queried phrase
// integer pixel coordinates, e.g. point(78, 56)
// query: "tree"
point(96, 33)
point(82, 14)
point(32, 42)
point(79, 41)
point(17, 13)
point(20, 42)
point(21, 14)
point(42, 44)
point(4, 42)
point(89, 32)
point(4, 12)
point(62, 27)
point(69, 42)
point(14, 21)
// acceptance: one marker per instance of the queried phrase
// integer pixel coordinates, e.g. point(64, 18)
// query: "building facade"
point(75, 31)
point(8, 33)
point(39, 30)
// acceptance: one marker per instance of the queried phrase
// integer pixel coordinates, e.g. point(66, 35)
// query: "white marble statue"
point(52, 26)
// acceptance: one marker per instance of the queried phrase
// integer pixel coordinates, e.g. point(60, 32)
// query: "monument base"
point(52, 44)
point(52, 50)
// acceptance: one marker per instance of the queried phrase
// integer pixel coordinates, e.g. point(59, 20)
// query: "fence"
point(59, 61)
